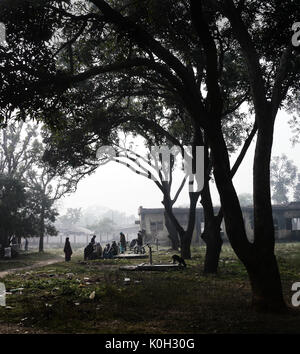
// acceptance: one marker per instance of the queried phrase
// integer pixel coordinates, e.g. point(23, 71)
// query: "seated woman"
point(113, 249)
point(106, 251)
point(88, 251)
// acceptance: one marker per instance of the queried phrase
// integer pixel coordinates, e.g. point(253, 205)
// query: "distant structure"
point(286, 221)
point(130, 231)
point(155, 222)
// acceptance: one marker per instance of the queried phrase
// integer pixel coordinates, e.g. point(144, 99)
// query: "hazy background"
point(114, 186)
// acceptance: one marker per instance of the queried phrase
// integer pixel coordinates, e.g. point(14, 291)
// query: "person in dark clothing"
point(88, 251)
point(113, 249)
point(139, 243)
point(140, 239)
point(68, 250)
point(133, 243)
point(93, 240)
point(106, 251)
point(26, 244)
point(122, 242)
point(98, 250)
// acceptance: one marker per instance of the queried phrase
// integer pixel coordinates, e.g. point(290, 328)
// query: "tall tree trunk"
point(42, 220)
point(264, 276)
point(258, 258)
point(173, 235)
point(266, 285)
point(211, 235)
point(185, 248)
point(186, 236)
point(213, 241)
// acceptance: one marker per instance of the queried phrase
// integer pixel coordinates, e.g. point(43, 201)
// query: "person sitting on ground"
point(106, 251)
point(88, 251)
point(132, 244)
point(113, 249)
point(98, 250)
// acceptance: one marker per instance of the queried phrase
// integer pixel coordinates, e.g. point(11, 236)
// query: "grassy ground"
point(93, 297)
point(29, 258)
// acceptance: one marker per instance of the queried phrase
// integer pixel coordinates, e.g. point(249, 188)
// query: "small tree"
point(104, 225)
point(71, 217)
point(246, 199)
point(18, 206)
point(283, 178)
point(297, 189)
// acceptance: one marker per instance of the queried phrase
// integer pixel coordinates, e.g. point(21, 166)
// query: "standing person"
point(122, 242)
point(68, 250)
point(26, 244)
point(93, 240)
point(139, 242)
point(140, 239)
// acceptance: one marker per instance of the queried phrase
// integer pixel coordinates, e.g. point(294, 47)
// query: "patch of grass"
point(93, 297)
point(25, 259)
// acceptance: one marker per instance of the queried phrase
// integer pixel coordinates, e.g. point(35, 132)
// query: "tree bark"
point(41, 242)
point(213, 241)
point(258, 258)
point(173, 235)
point(211, 235)
point(266, 285)
point(185, 248)
point(264, 276)
point(186, 236)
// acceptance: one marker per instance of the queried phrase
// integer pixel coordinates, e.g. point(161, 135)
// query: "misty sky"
point(116, 187)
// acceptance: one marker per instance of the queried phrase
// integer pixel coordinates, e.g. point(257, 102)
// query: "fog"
point(115, 187)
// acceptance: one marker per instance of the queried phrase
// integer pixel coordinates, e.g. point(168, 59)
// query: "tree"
point(26, 58)
point(241, 33)
point(49, 187)
point(17, 210)
point(297, 189)
point(16, 149)
point(76, 57)
point(104, 225)
point(283, 178)
point(246, 199)
point(161, 172)
point(71, 217)
point(269, 87)
point(21, 153)
point(272, 70)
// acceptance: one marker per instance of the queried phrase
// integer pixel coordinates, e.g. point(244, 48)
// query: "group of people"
point(94, 250)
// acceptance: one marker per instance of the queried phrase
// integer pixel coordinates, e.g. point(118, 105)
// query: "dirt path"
point(33, 266)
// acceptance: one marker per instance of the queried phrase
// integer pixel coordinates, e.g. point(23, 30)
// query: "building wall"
point(286, 223)
point(154, 223)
